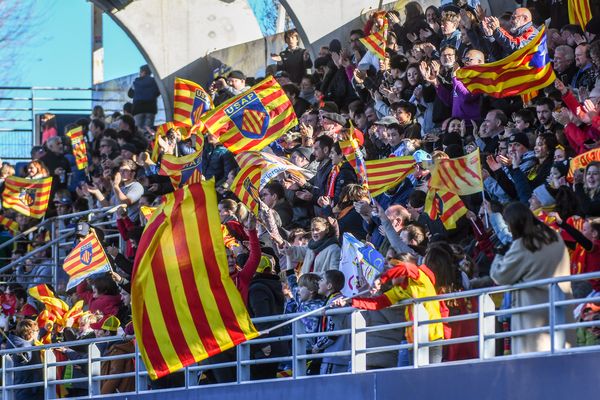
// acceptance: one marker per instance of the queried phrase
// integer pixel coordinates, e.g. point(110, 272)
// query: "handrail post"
point(49, 374)
point(298, 348)
point(94, 368)
point(242, 354)
point(7, 378)
point(358, 362)
point(486, 326)
point(420, 334)
point(54, 226)
point(552, 316)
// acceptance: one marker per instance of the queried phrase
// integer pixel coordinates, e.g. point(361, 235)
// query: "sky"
point(59, 52)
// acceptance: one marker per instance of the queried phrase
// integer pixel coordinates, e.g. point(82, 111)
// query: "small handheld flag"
point(87, 258)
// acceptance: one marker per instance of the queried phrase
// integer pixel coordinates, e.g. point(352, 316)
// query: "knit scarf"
point(332, 177)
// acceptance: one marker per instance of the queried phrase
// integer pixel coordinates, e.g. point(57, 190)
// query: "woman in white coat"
point(537, 252)
point(322, 252)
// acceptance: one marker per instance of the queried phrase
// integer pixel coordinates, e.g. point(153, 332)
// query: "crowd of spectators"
point(534, 221)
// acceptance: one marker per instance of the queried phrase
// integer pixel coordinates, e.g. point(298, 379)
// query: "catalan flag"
point(56, 307)
point(524, 71)
point(376, 42)
point(182, 170)
point(190, 102)
point(253, 119)
point(446, 206)
point(147, 212)
point(87, 258)
point(388, 172)
point(185, 307)
point(460, 175)
point(351, 151)
point(10, 224)
point(271, 166)
point(582, 161)
point(79, 147)
point(28, 196)
point(580, 12)
point(162, 131)
point(245, 186)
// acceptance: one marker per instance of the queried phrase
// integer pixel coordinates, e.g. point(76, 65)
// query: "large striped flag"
point(182, 170)
point(185, 307)
point(55, 306)
point(190, 102)
point(581, 161)
point(446, 206)
point(87, 258)
point(28, 196)
point(524, 71)
point(253, 119)
point(10, 224)
point(460, 175)
point(386, 173)
point(79, 147)
point(376, 41)
point(580, 12)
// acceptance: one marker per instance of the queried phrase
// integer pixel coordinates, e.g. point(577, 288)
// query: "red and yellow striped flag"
point(87, 258)
point(446, 206)
point(162, 131)
point(460, 175)
point(351, 151)
point(526, 70)
point(182, 170)
point(55, 306)
point(386, 173)
point(253, 119)
point(10, 224)
point(376, 41)
point(79, 147)
point(581, 161)
point(147, 212)
point(28, 196)
point(185, 307)
point(190, 102)
point(245, 186)
point(580, 12)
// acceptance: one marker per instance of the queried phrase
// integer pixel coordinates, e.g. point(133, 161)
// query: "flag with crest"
point(87, 258)
point(190, 102)
point(252, 120)
point(28, 196)
point(78, 146)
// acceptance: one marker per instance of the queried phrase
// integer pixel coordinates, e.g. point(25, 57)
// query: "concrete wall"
point(573, 376)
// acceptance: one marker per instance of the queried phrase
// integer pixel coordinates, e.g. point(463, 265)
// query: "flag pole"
point(307, 314)
point(485, 213)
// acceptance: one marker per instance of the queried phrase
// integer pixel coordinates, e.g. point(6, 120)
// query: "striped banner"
point(253, 119)
point(190, 101)
point(79, 147)
point(247, 178)
point(580, 12)
point(11, 225)
point(388, 172)
point(28, 196)
point(182, 170)
point(460, 175)
point(446, 206)
point(376, 42)
point(185, 307)
point(581, 161)
point(526, 70)
point(55, 306)
point(87, 258)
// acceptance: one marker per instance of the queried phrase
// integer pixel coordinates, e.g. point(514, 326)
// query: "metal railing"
point(21, 107)
point(60, 242)
point(91, 358)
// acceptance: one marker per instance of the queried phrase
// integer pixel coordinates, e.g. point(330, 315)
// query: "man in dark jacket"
point(144, 93)
point(293, 60)
point(217, 161)
point(316, 186)
point(266, 298)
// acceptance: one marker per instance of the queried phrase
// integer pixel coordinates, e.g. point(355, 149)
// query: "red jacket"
point(105, 303)
point(243, 277)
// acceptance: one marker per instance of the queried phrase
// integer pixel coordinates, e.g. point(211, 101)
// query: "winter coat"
point(217, 161)
point(144, 92)
point(520, 265)
point(28, 376)
point(113, 367)
point(105, 303)
point(292, 62)
point(328, 258)
point(465, 105)
point(391, 337)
